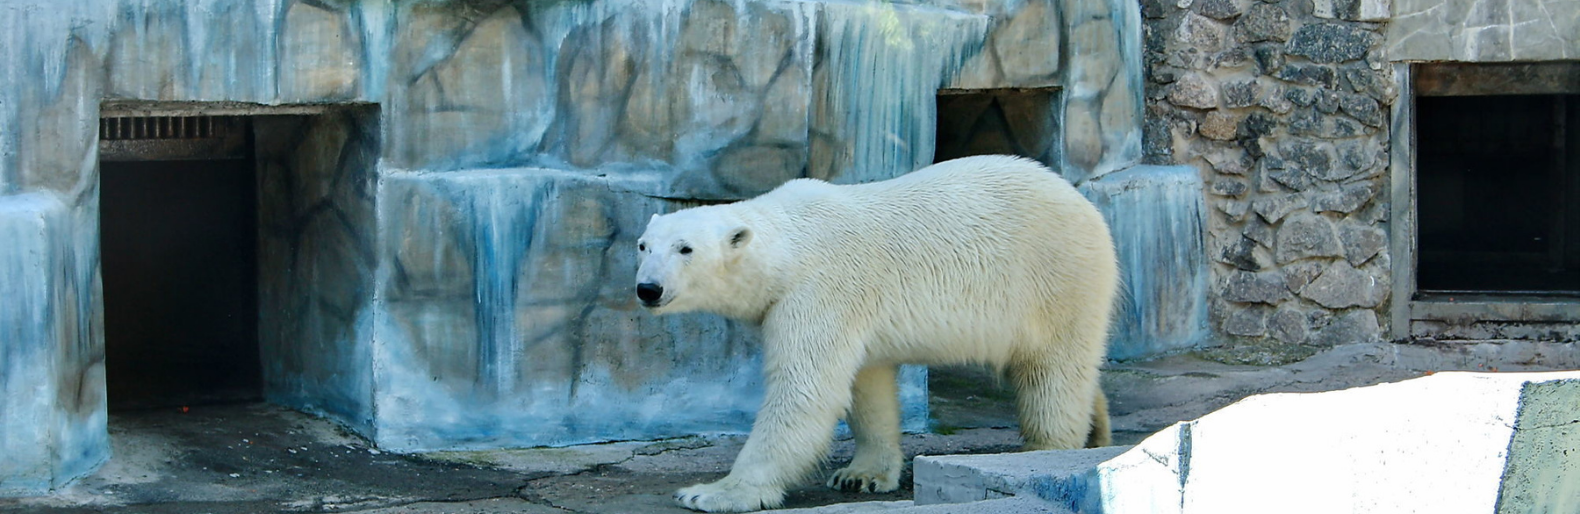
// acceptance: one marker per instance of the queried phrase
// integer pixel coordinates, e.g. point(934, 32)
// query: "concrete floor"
point(262, 458)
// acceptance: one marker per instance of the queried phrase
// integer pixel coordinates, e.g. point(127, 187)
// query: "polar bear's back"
point(957, 261)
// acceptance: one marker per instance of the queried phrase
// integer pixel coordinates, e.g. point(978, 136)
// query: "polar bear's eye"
point(685, 250)
point(641, 247)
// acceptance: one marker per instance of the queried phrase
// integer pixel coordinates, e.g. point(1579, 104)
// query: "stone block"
point(1300, 274)
point(1308, 74)
point(453, 75)
point(1331, 42)
point(1361, 243)
point(1307, 236)
point(1194, 90)
point(1342, 286)
point(1313, 158)
point(1201, 33)
point(1240, 252)
point(1257, 230)
point(1264, 22)
point(1241, 93)
point(1246, 320)
point(1220, 9)
point(1289, 325)
point(1346, 200)
point(1157, 218)
point(1260, 287)
point(1219, 125)
point(618, 88)
point(1274, 208)
point(52, 404)
point(1357, 326)
point(1103, 85)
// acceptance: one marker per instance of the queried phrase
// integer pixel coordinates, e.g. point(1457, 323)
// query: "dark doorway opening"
point(997, 121)
point(1498, 182)
point(178, 243)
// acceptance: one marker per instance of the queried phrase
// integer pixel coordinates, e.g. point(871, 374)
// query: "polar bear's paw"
point(866, 477)
point(729, 495)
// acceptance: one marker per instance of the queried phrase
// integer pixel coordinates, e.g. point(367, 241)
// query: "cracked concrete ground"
point(262, 458)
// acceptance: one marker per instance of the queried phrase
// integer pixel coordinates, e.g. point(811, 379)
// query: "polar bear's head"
point(688, 259)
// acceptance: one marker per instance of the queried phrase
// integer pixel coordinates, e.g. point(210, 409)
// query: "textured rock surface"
point(488, 307)
point(315, 261)
point(1283, 117)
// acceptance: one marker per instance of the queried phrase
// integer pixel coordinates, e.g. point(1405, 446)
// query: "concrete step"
point(1020, 505)
point(969, 478)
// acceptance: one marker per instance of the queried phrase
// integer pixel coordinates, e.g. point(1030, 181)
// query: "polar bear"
point(991, 260)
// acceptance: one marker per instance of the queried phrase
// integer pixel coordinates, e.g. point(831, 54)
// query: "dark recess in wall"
point(1499, 193)
point(997, 121)
point(179, 250)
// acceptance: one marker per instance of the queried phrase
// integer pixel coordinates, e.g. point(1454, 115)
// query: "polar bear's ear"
point(740, 236)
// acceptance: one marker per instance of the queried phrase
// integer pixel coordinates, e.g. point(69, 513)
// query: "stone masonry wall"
point(1282, 105)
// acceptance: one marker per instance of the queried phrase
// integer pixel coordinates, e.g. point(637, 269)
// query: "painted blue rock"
point(1158, 222)
point(52, 421)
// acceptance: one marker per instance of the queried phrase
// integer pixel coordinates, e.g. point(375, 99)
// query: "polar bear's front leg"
point(808, 378)
point(875, 423)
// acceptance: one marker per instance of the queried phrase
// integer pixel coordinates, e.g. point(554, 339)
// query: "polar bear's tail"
point(1100, 434)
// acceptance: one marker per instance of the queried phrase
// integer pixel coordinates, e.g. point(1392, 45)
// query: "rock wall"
point(1282, 106)
point(316, 261)
point(448, 190)
point(52, 415)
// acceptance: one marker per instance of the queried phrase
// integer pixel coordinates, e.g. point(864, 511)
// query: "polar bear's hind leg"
point(1055, 399)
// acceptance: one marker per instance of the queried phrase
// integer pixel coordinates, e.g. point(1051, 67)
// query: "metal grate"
point(162, 127)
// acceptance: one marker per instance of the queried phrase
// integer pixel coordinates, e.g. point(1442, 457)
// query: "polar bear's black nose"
point(649, 293)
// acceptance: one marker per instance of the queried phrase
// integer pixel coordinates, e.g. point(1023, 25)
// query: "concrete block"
point(999, 506)
point(1453, 442)
point(973, 478)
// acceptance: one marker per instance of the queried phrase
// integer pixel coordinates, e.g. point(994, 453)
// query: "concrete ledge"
point(969, 478)
point(1020, 505)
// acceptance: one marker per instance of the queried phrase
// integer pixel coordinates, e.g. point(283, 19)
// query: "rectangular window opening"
point(1498, 178)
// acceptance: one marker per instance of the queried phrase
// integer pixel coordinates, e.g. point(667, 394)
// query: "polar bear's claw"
point(852, 479)
point(729, 496)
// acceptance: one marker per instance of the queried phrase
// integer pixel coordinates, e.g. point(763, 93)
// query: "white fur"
point(992, 260)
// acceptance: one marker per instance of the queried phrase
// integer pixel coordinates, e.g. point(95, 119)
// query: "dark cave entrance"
point(998, 121)
point(179, 249)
